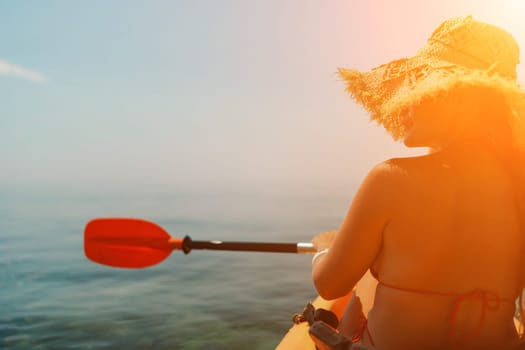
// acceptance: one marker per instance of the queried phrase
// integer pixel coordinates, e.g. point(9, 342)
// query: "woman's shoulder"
point(401, 167)
point(415, 164)
point(421, 160)
point(404, 174)
point(388, 175)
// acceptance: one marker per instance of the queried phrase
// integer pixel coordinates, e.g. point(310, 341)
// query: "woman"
point(444, 233)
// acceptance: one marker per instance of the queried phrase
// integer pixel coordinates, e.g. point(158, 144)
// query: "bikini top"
point(489, 301)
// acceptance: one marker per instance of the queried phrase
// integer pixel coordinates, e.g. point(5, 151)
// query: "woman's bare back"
point(454, 230)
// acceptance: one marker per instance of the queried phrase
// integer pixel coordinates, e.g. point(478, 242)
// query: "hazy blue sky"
point(202, 95)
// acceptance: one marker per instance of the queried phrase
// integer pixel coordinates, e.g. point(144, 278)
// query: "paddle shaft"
point(188, 245)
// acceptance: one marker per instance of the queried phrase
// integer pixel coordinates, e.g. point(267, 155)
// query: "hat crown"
point(461, 52)
point(475, 45)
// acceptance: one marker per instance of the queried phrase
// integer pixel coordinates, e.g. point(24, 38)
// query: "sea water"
point(52, 297)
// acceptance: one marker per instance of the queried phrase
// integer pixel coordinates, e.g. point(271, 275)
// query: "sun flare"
point(506, 11)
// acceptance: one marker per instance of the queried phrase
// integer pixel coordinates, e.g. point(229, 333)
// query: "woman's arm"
point(358, 242)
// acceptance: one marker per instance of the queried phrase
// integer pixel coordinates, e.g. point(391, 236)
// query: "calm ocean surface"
point(52, 297)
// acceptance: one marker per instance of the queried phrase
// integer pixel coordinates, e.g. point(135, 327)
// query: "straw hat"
point(462, 52)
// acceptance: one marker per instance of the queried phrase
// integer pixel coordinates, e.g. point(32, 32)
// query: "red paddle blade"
point(129, 243)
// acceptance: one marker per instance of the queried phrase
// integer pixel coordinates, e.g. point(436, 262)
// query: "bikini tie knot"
point(488, 301)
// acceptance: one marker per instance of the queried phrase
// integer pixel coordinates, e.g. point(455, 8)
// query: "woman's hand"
point(323, 240)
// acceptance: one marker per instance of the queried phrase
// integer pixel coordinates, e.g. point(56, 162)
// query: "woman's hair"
point(515, 163)
point(491, 118)
point(499, 132)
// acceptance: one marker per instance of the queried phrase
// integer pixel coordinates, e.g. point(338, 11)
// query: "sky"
point(203, 95)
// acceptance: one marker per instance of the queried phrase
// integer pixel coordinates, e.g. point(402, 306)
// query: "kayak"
point(298, 336)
